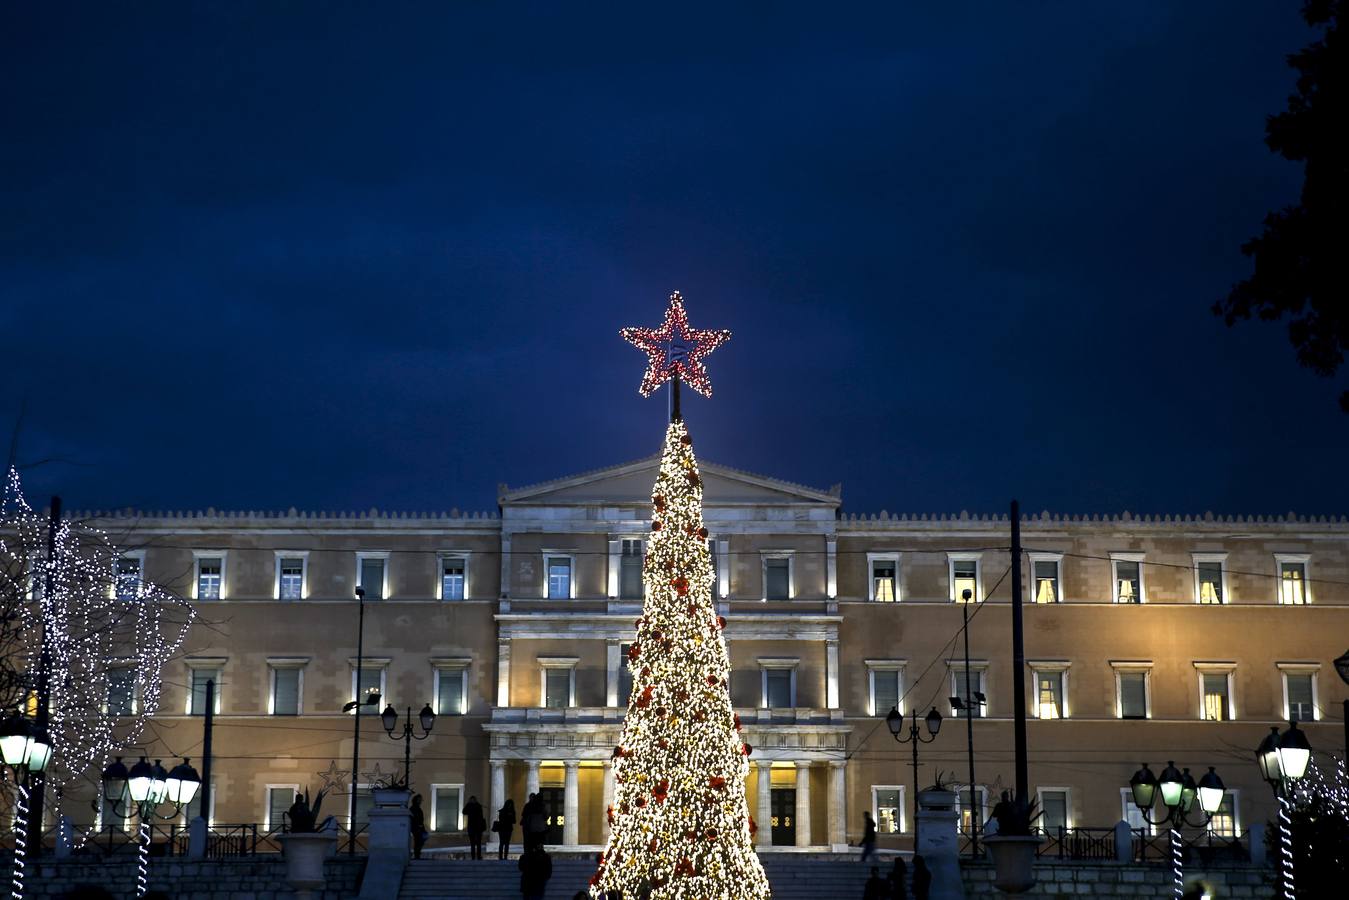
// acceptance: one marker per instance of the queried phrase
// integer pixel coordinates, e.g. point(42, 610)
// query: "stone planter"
point(386, 798)
point(1013, 861)
point(305, 854)
point(932, 798)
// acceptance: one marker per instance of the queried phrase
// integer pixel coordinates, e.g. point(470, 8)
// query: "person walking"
point(504, 825)
point(535, 870)
point(899, 889)
point(876, 888)
point(417, 825)
point(476, 823)
point(922, 879)
point(868, 836)
point(533, 822)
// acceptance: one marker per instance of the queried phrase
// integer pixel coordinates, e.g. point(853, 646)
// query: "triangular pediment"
point(630, 483)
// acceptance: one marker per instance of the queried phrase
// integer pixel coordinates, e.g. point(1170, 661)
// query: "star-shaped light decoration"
point(675, 349)
point(377, 777)
point(334, 779)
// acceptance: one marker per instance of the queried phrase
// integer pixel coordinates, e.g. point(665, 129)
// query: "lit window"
point(285, 691)
point(889, 802)
point(122, 692)
point(1133, 694)
point(964, 577)
point(450, 691)
point(1132, 814)
point(630, 571)
point(1128, 580)
point(1224, 821)
point(290, 578)
point(445, 809)
point(1208, 577)
point(370, 576)
point(1217, 703)
point(972, 815)
point(1049, 695)
point(1301, 696)
point(210, 575)
point(1292, 582)
point(777, 573)
point(885, 579)
point(559, 577)
point(128, 577)
point(452, 578)
point(1046, 580)
point(197, 701)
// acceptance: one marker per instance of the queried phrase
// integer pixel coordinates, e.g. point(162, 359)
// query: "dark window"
point(452, 578)
point(1300, 707)
point(557, 688)
point(777, 578)
point(199, 679)
point(286, 692)
point(1133, 695)
point(779, 688)
point(630, 571)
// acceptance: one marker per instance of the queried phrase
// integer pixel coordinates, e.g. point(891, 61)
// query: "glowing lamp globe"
point(114, 780)
point(1267, 756)
point(1143, 785)
point(39, 754)
point(16, 741)
point(1188, 790)
point(139, 781)
point(1211, 792)
point(159, 784)
point(1171, 782)
point(389, 718)
point(933, 721)
point(182, 783)
point(894, 721)
point(1294, 753)
point(428, 717)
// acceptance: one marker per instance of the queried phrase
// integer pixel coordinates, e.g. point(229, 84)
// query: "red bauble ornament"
point(718, 782)
point(702, 533)
point(753, 826)
point(658, 502)
point(694, 480)
point(634, 651)
point(610, 814)
point(721, 622)
point(655, 524)
point(651, 847)
point(747, 749)
point(681, 586)
point(692, 610)
point(737, 721)
point(686, 440)
point(641, 802)
point(712, 680)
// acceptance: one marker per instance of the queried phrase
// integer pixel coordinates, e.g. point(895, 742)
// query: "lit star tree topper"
point(675, 351)
point(680, 827)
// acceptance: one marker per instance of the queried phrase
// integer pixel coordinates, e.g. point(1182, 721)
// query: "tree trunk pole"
point(38, 782)
point(1018, 664)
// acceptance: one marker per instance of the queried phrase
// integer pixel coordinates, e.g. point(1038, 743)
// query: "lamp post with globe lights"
point(894, 720)
point(426, 719)
point(1178, 792)
point(1283, 760)
point(140, 791)
point(26, 751)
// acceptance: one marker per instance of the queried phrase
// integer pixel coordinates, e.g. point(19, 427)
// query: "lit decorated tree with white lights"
point(679, 826)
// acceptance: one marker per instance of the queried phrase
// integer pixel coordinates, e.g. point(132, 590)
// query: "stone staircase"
point(792, 876)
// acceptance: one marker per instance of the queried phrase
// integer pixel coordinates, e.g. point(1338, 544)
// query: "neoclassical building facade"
point(1147, 639)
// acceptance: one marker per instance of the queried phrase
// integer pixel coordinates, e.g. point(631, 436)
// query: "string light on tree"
point(680, 827)
point(675, 349)
point(105, 637)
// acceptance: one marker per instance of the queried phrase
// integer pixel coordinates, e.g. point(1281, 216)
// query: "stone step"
point(791, 877)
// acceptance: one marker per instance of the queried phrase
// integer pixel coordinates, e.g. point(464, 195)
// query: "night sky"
point(307, 254)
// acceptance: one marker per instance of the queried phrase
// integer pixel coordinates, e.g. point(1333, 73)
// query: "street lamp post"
point(427, 720)
point(1342, 667)
point(974, 698)
point(1283, 760)
point(894, 720)
point(1178, 792)
point(140, 792)
point(26, 750)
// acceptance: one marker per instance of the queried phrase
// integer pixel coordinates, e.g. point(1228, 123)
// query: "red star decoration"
point(675, 348)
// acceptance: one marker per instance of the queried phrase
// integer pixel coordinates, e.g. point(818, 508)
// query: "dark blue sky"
point(310, 254)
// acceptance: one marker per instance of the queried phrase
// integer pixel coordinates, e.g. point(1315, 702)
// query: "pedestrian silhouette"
point(504, 826)
point(876, 888)
point(535, 870)
point(898, 876)
point(922, 879)
point(868, 836)
point(533, 822)
point(417, 825)
point(476, 823)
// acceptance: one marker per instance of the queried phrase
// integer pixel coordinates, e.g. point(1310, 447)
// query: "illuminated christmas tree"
point(679, 825)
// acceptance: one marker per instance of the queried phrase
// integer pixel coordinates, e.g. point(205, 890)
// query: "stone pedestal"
point(938, 830)
point(196, 838)
point(389, 846)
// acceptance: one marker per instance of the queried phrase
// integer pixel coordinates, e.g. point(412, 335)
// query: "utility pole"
point(38, 787)
point(356, 731)
point(208, 730)
point(1018, 665)
point(969, 732)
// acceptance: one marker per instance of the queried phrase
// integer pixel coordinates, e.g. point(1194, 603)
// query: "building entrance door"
point(784, 817)
point(551, 797)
